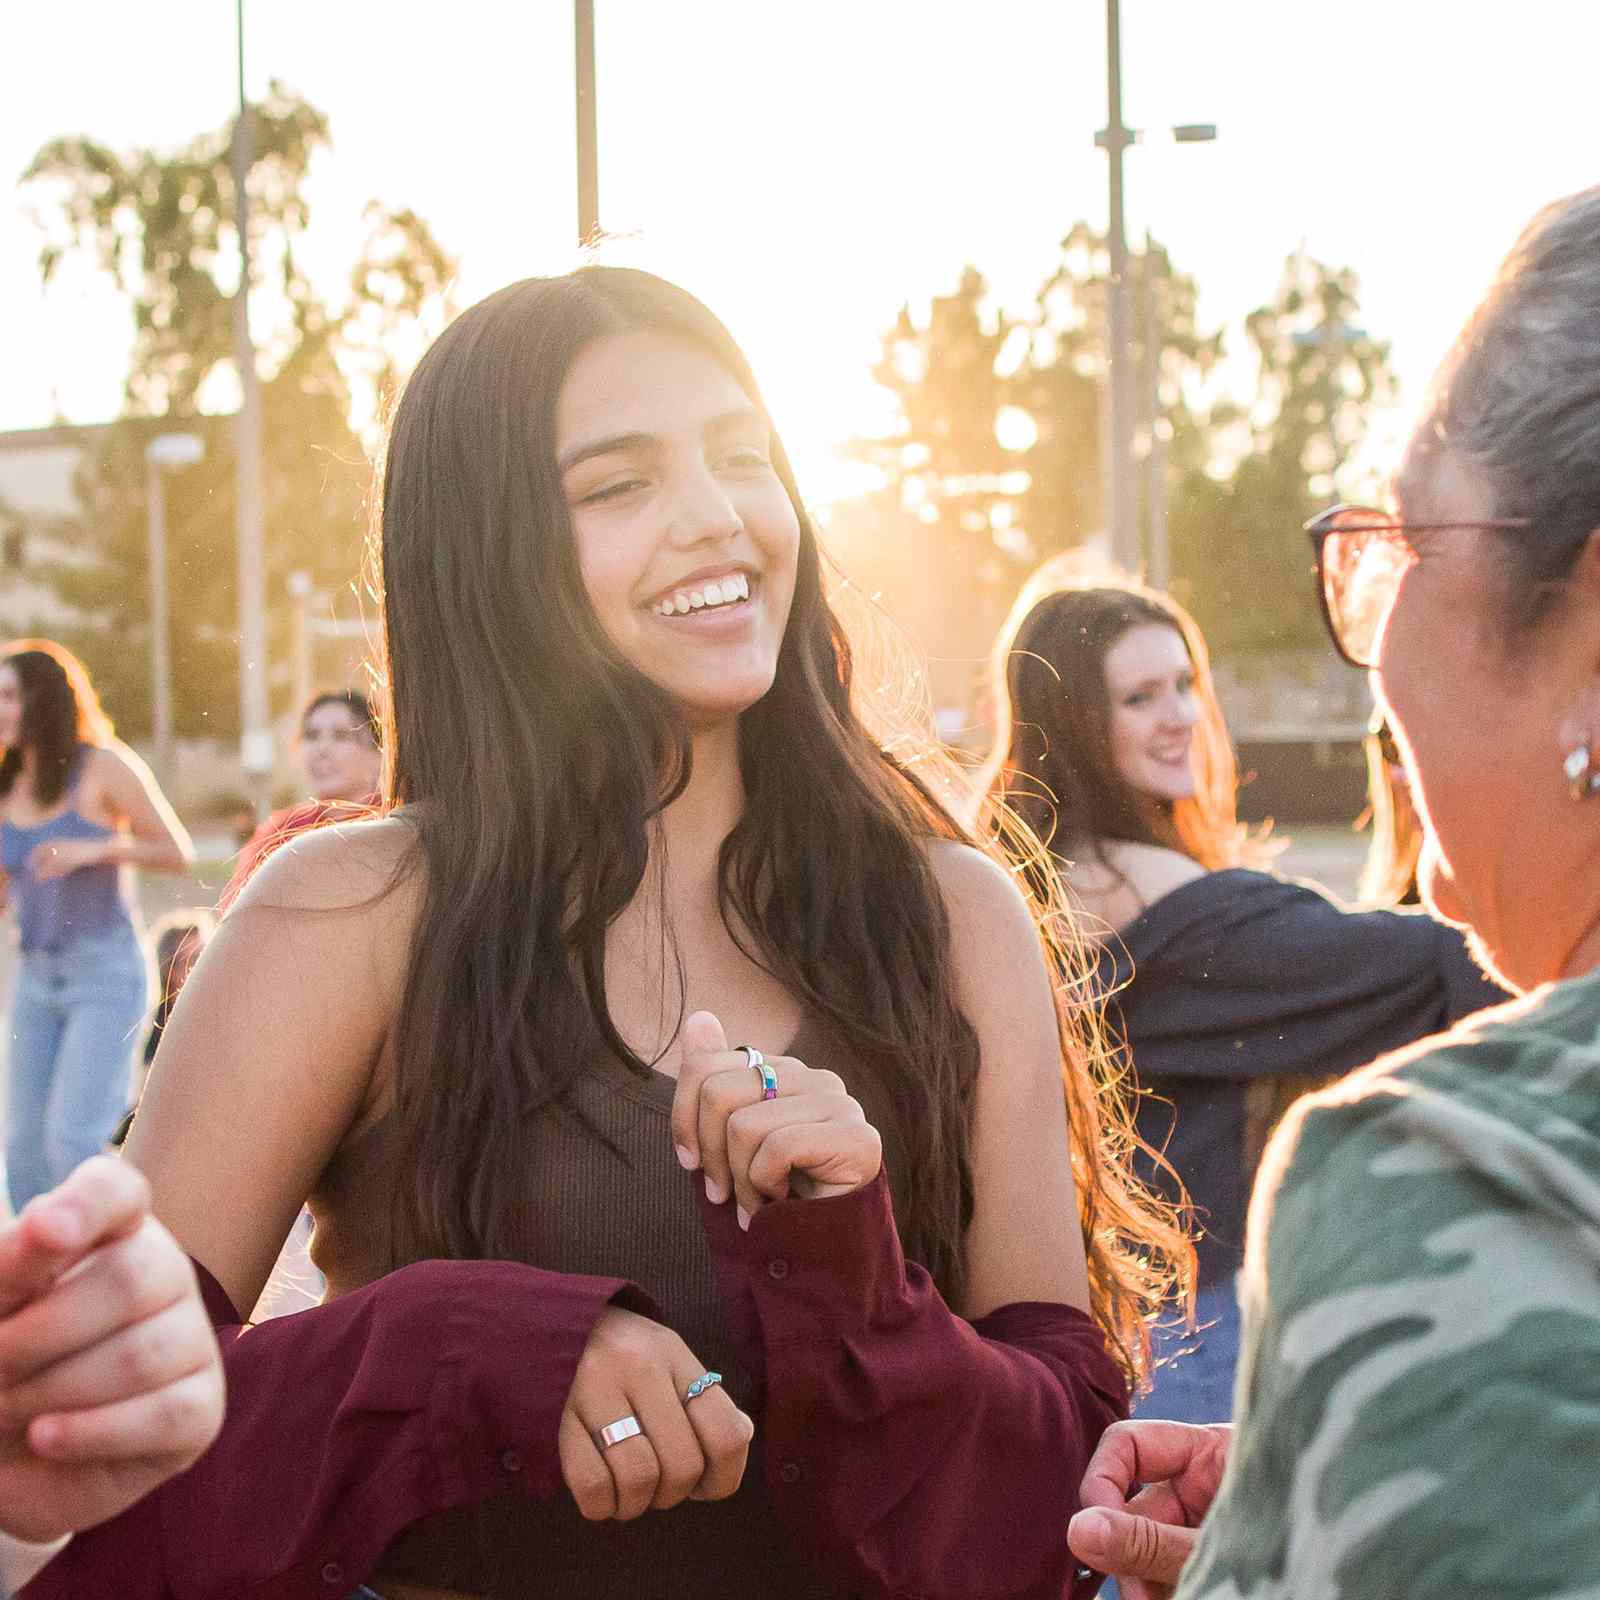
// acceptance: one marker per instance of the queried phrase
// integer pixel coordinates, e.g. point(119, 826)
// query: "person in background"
point(1421, 1414)
point(178, 938)
point(1389, 877)
point(342, 752)
point(580, 1241)
point(1235, 990)
point(112, 1380)
point(78, 809)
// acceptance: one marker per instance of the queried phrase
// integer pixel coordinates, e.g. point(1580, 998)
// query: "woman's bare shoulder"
point(1116, 880)
point(979, 890)
point(112, 766)
point(340, 866)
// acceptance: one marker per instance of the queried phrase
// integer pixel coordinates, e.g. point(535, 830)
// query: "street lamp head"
point(1194, 132)
point(175, 450)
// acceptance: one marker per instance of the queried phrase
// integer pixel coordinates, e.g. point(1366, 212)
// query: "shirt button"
point(333, 1573)
point(511, 1461)
point(790, 1472)
point(778, 1268)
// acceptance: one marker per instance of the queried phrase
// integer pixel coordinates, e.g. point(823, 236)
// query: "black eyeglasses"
point(1362, 554)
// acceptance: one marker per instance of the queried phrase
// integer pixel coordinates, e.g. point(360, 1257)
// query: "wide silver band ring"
point(615, 1432)
point(706, 1380)
point(769, 1078)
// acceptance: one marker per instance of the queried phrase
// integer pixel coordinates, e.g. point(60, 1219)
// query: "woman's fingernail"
point(743, 1216)
point(716, 1190)
point(65, 1222)
point(685, 1157)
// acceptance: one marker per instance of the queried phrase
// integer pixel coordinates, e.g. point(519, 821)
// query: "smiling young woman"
point(577, 1249)
point(1235, 989)
point(341, 750)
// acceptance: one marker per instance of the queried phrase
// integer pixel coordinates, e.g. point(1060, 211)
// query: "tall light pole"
point(1158, 548)
point(165, 450)
point(255, 726)
point(1122, 487)
point(588, 124)
point(1158, 564)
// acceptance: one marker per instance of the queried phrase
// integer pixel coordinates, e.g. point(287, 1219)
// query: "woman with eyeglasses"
point(1235, 989)
point(1421, 1412)
point(340, 747)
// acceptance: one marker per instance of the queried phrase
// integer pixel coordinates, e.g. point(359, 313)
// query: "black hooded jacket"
point(1240, 977)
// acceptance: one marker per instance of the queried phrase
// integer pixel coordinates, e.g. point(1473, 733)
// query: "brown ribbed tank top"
point(627, 1212)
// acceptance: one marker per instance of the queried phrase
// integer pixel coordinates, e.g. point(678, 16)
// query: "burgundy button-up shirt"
point(909, 1452)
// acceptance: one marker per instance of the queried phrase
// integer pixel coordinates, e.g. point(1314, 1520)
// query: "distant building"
point(39, 518)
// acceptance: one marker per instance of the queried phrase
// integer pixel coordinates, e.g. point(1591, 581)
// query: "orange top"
point(284, 825)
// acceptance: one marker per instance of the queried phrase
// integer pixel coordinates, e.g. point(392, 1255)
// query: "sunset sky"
point(806, 168)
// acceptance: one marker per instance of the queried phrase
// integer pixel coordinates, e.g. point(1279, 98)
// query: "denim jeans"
point(75, 1017)
point(1198, 1384)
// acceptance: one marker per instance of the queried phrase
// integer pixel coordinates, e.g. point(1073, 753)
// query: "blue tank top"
point(90, 901)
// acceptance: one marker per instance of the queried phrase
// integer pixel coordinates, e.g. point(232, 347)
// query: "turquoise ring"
point(769, 1078)
point(706, 1380)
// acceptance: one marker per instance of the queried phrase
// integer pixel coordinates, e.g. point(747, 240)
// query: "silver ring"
point(615, 1432)
point(706, 1380)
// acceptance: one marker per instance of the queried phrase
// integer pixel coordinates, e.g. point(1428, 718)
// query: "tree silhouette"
point(1001, 436)
point(1237, 545)
point(161, 227)
point(1240, 476)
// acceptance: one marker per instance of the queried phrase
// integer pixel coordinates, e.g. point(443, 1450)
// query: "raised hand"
point(684, 1449)
point(812, 1140)
point(1146, 1490)
point(110, 1377)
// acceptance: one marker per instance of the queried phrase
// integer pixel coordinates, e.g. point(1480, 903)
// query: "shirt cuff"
point(819, 1269)
point(437, 1386)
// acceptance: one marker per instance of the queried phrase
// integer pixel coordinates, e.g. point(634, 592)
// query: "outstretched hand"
point(1146, 1490)
point(813, 1140)
point(110, 1377)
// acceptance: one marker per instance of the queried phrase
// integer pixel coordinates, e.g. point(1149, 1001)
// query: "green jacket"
point(1419, 1391)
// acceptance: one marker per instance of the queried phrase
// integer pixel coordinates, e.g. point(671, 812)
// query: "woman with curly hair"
point(1235, 989)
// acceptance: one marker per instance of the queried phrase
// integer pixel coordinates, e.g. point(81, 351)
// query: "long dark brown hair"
point(534, 761)
point(60, 712)
point(1052, 763)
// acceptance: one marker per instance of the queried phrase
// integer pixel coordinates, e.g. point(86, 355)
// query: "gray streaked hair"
point(1519, 398)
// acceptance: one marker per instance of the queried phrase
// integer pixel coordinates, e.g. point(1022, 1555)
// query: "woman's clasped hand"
point(811, 1139)
point(635, 1370)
